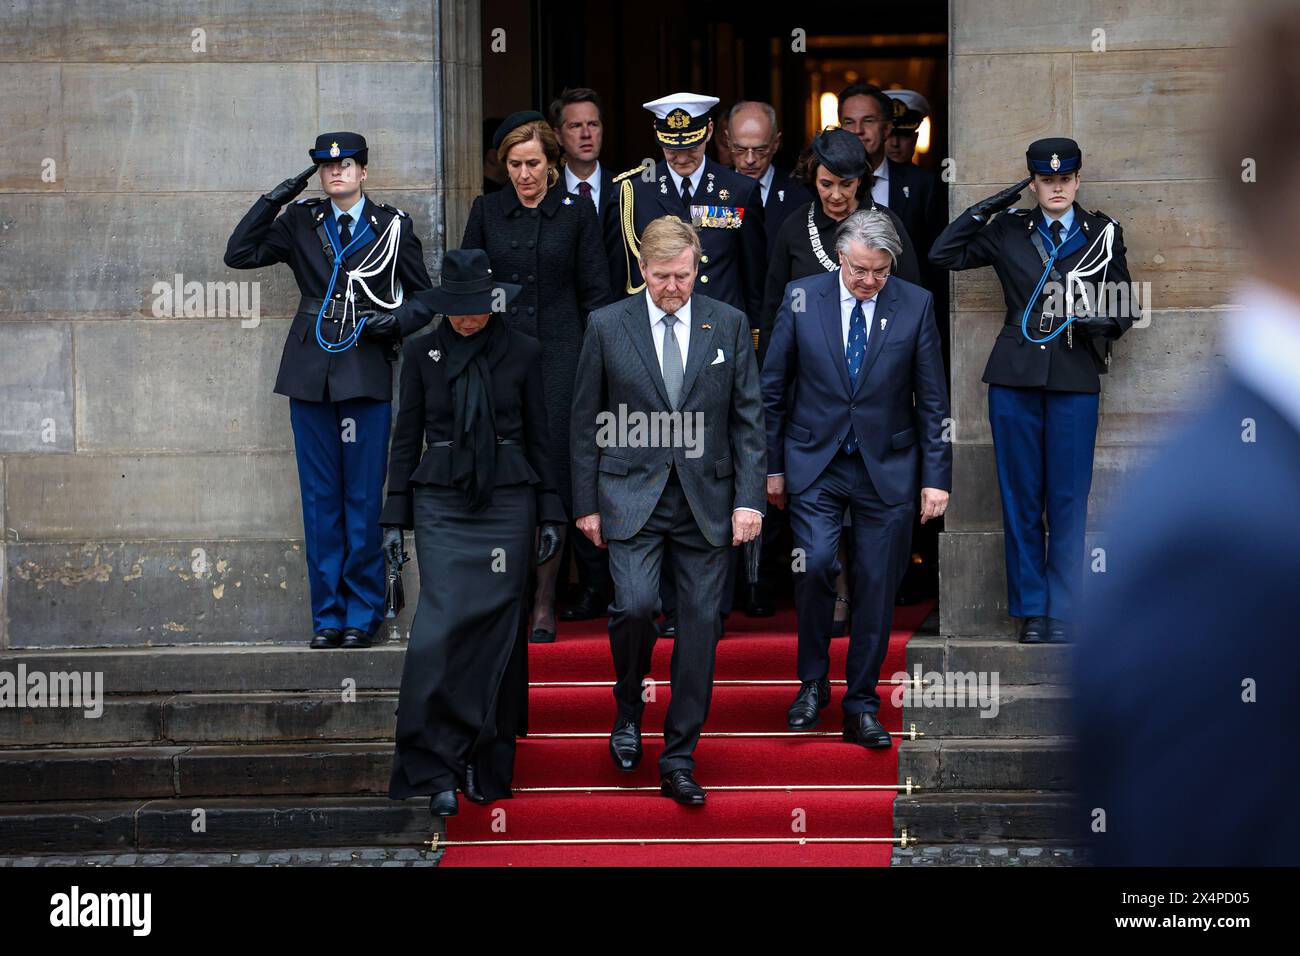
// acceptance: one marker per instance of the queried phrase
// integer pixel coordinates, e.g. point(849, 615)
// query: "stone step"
point(263, 822)
point(984, 817)
point(1016, 710)
point(977, 763)
point(1013, 662)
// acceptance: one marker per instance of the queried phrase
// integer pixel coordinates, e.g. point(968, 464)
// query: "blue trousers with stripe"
point(1043, 442)
point(342, 451)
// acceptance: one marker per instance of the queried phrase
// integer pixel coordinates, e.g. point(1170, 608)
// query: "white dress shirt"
point(682, 332)
point(765, 182)
point(847, 301)
point(880, 184)
point(695, 182)
point(1262, 345)
point(571, 183)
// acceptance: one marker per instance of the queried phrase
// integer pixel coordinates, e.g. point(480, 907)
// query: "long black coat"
point(425, 417)
point(265, 236)
point(556, 253)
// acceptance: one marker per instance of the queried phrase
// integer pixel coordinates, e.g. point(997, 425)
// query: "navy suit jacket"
point(784, 195)
point(1198, 596)
point(897, 410)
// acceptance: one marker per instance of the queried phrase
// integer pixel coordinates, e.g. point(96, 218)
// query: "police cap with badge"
point(681, 119)
point(332, 147)
point(1057, 154)
point(908, 110)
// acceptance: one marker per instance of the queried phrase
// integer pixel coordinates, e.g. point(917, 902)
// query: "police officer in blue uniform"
point(1065, 281)
point(724, 206)
point(357, 261)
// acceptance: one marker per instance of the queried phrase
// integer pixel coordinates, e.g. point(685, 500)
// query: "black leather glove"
point(383, 327)
point(288, 190)
point(998, 201)
point(393, 545)
point(548, 541)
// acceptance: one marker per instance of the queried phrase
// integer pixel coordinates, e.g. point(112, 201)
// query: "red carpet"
point(764, 784)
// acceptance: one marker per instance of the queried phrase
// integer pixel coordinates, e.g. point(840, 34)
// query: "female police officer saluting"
point(1054, 262)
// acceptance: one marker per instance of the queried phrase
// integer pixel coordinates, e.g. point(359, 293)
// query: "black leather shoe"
point(757, 603)
point(443, 804)
point(668, 628)
point(625, 744)
point(681, 786)
point(1033, 630)
point(355, 637)
point(329, 637)
point(1058, 631)
point(472, 792)
point(866, 731)
point(808, 704)
point(541, 636)
point(591, 604)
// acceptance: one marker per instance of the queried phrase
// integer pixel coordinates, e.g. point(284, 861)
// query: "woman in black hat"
point(540, 237)
point(834, 168)
point(472, 414)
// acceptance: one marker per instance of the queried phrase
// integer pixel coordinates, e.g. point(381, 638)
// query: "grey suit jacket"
point(718, 447)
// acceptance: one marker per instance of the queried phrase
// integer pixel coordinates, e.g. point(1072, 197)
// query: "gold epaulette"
point(648, 164)
point(631, 245)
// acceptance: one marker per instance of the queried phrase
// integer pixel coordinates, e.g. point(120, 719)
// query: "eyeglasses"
point(880, 275)
point(760, 152)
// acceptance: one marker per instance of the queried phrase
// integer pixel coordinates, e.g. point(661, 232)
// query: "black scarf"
point(469, 372)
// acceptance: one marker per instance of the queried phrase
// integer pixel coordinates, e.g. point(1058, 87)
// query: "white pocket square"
point(719, 359)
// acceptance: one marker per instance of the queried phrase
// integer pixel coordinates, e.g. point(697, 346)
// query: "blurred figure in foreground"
point(1187, 684)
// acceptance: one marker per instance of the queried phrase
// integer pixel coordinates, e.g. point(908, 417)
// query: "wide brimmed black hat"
point(467, 286)
point(331, 147)
point(841, 152)
point(512, 123)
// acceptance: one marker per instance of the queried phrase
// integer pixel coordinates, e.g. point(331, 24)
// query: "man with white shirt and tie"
point(753, 140)
point(668, 458)
point(855, 400)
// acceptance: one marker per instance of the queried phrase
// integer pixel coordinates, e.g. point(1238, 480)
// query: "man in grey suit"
point(668, 449)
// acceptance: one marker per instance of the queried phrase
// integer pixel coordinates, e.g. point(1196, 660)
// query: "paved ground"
point(339, 856)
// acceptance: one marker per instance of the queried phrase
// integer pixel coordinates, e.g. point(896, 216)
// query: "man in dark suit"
point(753, 141)
point(1187, 689)
point(356, 261)
point(723, 206)
point(579, 125)
point(691, 483)
point(856, 401)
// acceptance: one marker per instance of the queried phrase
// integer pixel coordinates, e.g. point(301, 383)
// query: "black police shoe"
point(1033, 630)
point(681, 786)
point(471, 788)
point(354, 637)
point(625, 744)
point(327, 637)
point(866, 731)
point(591, 604)
point(808, 704)
point(443, 804)
point(1058, 631)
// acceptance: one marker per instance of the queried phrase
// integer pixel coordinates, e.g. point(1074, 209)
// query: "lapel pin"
point(780, 195)
point(374, 220)
point(705, 327)
point(567, 200)
point(883, 323)
point(663, 187)
point(435, 354)
point(907, 192)
point(709, 187)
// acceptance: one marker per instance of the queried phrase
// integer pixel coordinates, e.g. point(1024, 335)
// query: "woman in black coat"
point(540, 237)
point(834, 168)
point(472, 415)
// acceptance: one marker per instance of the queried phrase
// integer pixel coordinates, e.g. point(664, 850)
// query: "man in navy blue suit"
point(856, 401)
point(1187, 687)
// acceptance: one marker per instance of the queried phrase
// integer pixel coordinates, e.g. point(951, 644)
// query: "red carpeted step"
point(735, 707)
point(719, 761)
point(767, 655)
point(629, 815)
point(672, 854)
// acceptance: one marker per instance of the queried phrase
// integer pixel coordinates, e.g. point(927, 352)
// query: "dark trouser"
point(668, 585)
point(635, 564)
point(592, 562)
point(342, 451)
point(1043, 442)
point(880, 545)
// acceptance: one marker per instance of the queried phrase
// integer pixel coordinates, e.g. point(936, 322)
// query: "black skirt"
point(465, 677)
